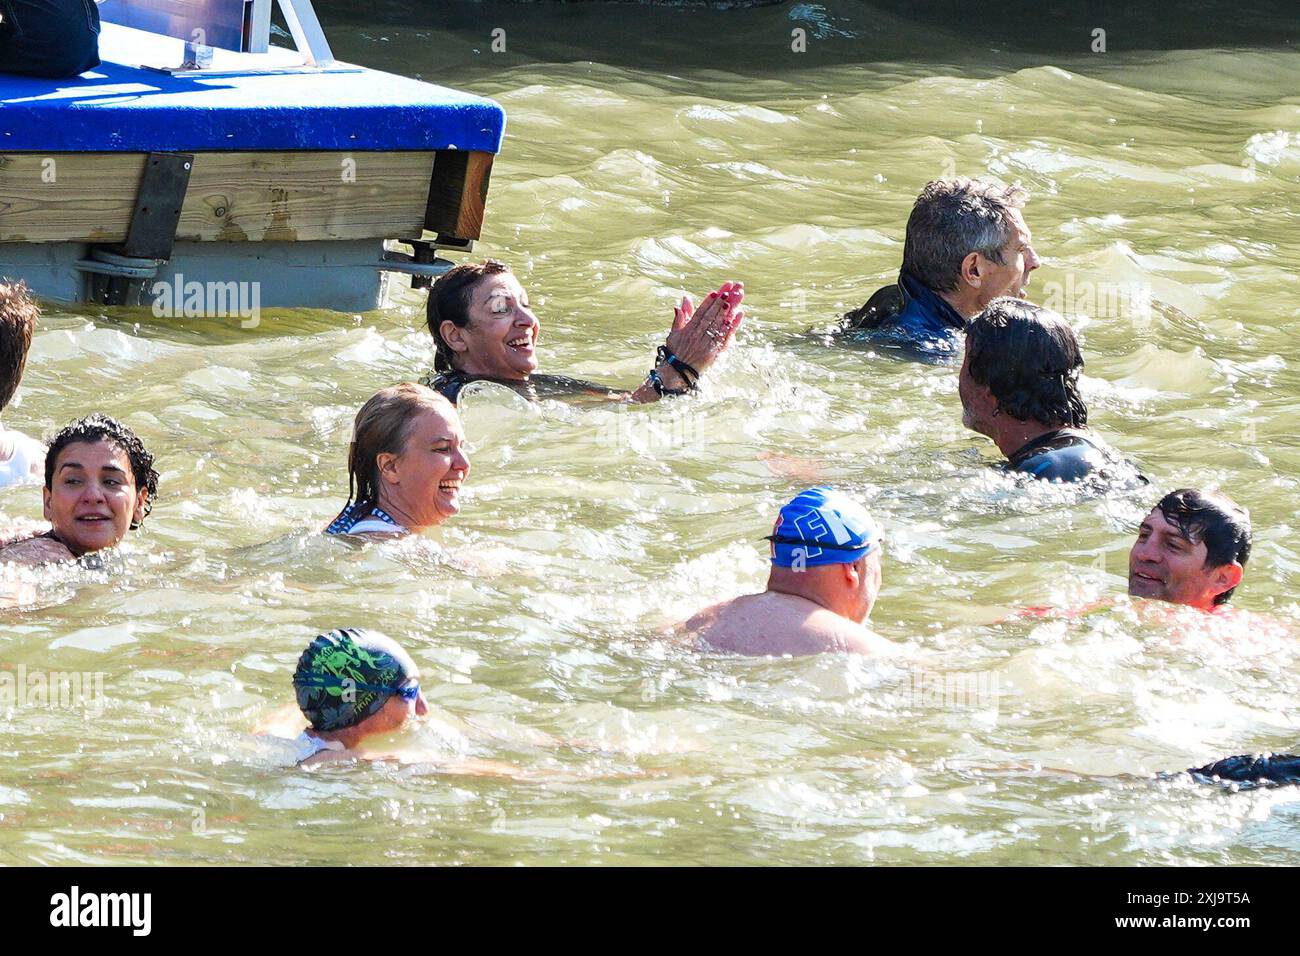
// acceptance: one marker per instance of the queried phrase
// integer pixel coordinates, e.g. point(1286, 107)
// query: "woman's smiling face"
point(93, 500)
point(500, 340)
point(422, 484)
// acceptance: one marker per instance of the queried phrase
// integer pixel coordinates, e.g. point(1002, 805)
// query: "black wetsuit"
point(1070, 454)
point(910, 317)
point(534, 388)
point(1259, 769)
point(49, 38)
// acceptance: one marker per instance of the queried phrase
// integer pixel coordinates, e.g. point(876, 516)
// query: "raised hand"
point(700, 335)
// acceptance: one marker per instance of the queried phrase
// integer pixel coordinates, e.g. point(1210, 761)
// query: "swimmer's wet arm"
point(32, 551)
point(286, 721)
point(1049, 611)
point(859, 640)
point(877, 646)
point(672, 383)
point(465, 767)
point(685, 629)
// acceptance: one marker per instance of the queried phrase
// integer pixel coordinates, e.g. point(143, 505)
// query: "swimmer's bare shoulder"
point(837, 633)
point(775, 624)
point(35, 550)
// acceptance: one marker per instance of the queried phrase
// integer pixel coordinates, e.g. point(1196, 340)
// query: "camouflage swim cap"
point(348, 674)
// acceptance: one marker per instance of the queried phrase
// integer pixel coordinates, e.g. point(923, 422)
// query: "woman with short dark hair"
point(484, 330)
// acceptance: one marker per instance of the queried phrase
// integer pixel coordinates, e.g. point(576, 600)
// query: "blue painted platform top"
point(122, 106)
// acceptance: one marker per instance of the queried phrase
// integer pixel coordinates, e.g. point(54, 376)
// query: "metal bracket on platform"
point(453, 242)
point(242, 26)
point(151, 234)
point(424, 266)
point(104, 263)
point(422, 273)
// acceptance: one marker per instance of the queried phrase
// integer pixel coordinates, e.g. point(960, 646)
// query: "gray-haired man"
point(967, 244)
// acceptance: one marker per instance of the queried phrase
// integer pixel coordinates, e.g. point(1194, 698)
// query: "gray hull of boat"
point(342, 276)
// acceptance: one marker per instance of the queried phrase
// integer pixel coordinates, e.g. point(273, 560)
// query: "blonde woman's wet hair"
point(382, 426)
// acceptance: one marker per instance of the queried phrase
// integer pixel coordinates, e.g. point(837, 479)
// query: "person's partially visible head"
point(1191, 549)
point(481, 322)
point(968, 239)
point(826, 545)
point(408, 451)
point(354, 679)
point(18, 314)
point(100, 482)
point(1022, 361)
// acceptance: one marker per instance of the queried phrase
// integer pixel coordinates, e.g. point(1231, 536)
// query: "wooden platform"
point(250, 196)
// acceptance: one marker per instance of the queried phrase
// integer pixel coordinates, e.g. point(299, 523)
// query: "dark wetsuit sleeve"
point(447, 384)
point(918, 325)
point(1071, 463)
point(883, 307)
point(560, 386)
point(451, 384)
point(1257, 769)
point(1068, 455)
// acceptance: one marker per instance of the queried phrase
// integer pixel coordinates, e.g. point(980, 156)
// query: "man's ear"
point(1228, 576)
point(852, 574)
point(453, 335)
point(970, 270)
point(985, 398)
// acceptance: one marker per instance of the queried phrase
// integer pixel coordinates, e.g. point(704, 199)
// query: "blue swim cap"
point(822, 526)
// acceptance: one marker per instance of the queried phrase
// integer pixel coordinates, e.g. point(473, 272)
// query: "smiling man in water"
point(824, 581)
point(1191, 549)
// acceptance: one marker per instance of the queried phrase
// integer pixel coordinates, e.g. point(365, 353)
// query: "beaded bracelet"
point(688, 373)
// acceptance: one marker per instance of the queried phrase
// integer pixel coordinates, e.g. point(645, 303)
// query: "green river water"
point(649, 152)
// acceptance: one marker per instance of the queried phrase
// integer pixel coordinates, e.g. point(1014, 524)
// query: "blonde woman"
point(406, 465)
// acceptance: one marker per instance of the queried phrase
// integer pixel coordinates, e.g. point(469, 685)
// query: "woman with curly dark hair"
point(99, 483)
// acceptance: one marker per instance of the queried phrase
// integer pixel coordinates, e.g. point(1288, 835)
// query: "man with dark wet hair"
point(1019, 385)
point(966, 245)
point(1191, 549)
point(49, 38)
